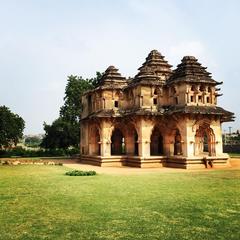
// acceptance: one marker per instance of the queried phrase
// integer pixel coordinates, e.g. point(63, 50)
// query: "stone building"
point(161, 117)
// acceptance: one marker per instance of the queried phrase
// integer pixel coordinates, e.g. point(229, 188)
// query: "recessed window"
point(155, 101)
point(191, 98)
point(176, 100)
point(208, 99)
point(173, 90)
point(193, 88)
point(141, 100)
point(202, 88)
point(200, 98)
point(209, 89)
point(104, 103)
point(116, 104)
point(89, 103)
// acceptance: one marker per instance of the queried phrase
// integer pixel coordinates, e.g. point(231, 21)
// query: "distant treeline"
point(21, 152)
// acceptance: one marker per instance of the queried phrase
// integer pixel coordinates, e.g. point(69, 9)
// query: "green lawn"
point(234, 155)
point(40, 202)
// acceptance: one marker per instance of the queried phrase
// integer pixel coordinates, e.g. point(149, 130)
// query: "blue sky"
point(42, 42)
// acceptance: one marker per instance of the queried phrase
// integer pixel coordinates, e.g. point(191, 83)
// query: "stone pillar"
point(106, 130)
point(90, 148)
point(84, 141)
point(129, 142)
point(218, 144)
point(144, 138)
point(189, 139)
point(105, 148)
point(169, 145)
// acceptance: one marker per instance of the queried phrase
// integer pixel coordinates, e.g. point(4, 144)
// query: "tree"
point(60, 134)
point(76, 86)
point(11, 127)
point(65, 131)
point(71, 109)
point(33, 141)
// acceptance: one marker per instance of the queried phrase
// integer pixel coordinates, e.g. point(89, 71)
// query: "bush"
point(59, 164)
point(21, 152)
point(80, 173)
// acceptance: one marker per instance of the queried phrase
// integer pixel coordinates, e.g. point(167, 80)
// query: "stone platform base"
point(118, 161)
point(157, 161)
point(198, 162)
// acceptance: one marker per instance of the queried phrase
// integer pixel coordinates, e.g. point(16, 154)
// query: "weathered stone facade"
point(161, 117)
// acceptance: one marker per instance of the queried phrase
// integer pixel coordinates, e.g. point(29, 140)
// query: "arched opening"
point(205, 141)
point(202, 88)
point(177, 143)
point(135, 143)
point(156, 146)
point(176, 100)
point(193, 88)
point(89, 99)
point(173, 91)
point(117, 142)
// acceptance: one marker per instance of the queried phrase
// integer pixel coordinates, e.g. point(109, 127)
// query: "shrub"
point(59, 164)
point(21, 152)
point(80, 173)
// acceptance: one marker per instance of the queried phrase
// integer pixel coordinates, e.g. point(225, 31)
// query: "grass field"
point(235, 155)
point(40, 202)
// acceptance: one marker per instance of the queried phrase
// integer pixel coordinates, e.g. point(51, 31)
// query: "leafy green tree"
point(76, 86)
point(11, 127)
point(65, 131)
point(60, 134)
point(33, 141)
point(71, 109)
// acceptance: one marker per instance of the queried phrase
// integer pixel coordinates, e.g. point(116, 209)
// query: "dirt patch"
point(235, 164)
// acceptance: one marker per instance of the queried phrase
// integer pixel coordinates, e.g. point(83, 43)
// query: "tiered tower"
point(158, 65)
point(112, 79)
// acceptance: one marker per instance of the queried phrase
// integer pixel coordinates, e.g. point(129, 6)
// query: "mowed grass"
point(234, 155)
point(40, 202)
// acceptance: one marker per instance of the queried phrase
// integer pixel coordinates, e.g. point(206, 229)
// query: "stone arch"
point(209, 89)
point(156, 142)
point(117, 142)
point(202, 88)
point(131, 136)
point(157, 91)
point(193, 88)
point(136, 150)
point(205, 141)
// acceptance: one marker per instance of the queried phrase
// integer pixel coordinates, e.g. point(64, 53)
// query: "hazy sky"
point(44, 41)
